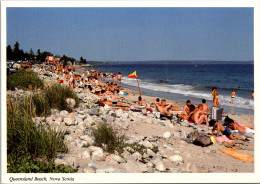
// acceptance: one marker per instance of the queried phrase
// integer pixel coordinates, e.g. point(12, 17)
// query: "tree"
point(9, 53)
point(81, 59)
point(16, 51)
point(31, 54)
point(38, 54)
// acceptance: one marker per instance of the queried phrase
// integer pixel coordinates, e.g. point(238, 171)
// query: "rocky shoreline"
point(165, 144)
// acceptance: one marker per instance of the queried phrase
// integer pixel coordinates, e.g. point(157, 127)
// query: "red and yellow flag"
point(132, 75)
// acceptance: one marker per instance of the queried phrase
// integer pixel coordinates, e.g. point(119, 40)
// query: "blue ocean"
point(192, 81)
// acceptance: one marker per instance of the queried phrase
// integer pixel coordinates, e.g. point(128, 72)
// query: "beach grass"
point(24, 79)
point(31, 147)
point(108, 139)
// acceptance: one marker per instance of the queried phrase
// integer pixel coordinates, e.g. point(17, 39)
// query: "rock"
point(119, 113)
point(191, 168)
point(111, 170)
point(89, 170)
point(176, 159)
point(176, 134)
point(98, 155)
point(93, 111)
point(59, 119)
point(69, 121)
point(125, 115)
point(150, 153)
point(146, 144)
point(73, 162)
point(64, 114)
point(119, 159)
point(88, 139)
point(183, 135)
point(71, 102)
point(166, 135)
point(159, 166)
point(59, 162)
point(68, 138)
point(137, 156)
point(86, 154)
point(82, 116)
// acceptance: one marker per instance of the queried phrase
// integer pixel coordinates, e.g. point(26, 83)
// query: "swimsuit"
point(200, 120)
point(226, 132)
point(232, 96)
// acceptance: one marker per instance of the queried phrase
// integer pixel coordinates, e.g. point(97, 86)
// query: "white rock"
point(95, 148)
point(150, 153)
point(119, 159)
point(176, 158)
point(69, 138)
point(72, 161)
point(159, 166)
point(146, 144)
point(166, 135)
point(58, 162)
point(89, 170)
point(69, 121)
point(88, 139)
point(64, 114)
point(86, 154)
point(71, 102)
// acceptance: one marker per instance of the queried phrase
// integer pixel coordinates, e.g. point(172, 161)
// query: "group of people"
point(105, 86)
point(195, 113)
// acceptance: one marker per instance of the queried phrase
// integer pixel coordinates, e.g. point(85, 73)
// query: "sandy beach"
point(165, 144)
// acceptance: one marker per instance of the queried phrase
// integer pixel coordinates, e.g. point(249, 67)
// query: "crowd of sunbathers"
point(112, 95)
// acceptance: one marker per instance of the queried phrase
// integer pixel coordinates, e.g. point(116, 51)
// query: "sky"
point(135, 34)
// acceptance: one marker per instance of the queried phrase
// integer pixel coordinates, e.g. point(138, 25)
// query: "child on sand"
point(224, 130)
point(233, 95)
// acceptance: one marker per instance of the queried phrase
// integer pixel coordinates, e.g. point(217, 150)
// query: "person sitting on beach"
point(104, 101)
point(186, 108)
point(233, 95)
point(205, 106)
point(140, 102)
point(200, 116)
point(163, 108)
point(189, 116)
point(241, 128)
point(224, 130)
point(72, 83)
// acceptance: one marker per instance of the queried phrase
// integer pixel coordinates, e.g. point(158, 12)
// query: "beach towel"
point(237, 154)
point(222, 139)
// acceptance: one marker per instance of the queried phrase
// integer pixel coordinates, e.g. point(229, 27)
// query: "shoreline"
point(242, 118)
point(165, 142)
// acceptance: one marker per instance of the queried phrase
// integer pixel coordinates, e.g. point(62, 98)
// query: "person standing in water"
point(233, 95)
point(119, 78)
point(215, 95)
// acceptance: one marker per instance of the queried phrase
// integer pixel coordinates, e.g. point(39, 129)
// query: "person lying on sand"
point(163, 108)
point(190, 116)
point(242, 128)
point(224, 130)
point(200, 116)
point(104, 101)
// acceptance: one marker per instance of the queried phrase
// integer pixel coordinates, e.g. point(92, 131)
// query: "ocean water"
point(188, 81)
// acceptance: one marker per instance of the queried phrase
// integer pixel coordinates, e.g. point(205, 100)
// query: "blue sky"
point(135, 34)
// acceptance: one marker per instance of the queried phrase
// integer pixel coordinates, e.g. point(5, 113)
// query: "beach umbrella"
point(134, 75)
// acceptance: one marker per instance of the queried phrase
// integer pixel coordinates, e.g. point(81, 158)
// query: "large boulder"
point(71, 102)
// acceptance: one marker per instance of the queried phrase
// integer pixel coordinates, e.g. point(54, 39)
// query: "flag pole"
point(138, 85)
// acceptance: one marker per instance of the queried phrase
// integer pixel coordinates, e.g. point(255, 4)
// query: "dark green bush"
point(24, 137)
point(107, 138)
point(23, 79)
point(29, 165)
point(56, 96)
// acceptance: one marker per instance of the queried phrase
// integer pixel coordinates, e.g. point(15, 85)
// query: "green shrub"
point(56, 96)
point(107, 138)
point(24, 137)
point(29, 165)
point(24, 79)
